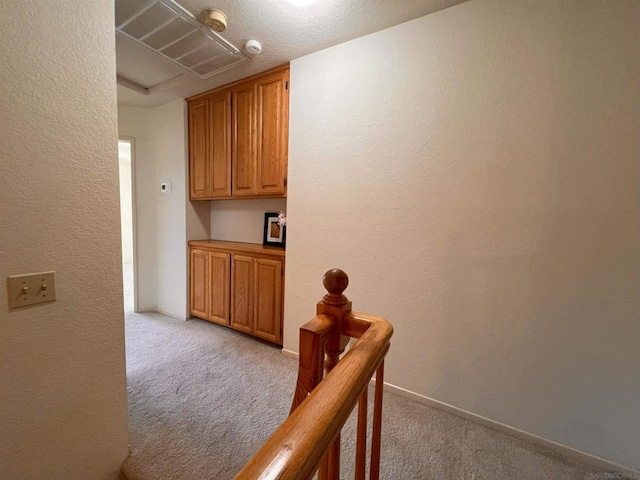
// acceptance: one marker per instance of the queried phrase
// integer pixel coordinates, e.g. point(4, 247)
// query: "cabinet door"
point(273, 121)
point(199, 175)
point(220, 134)
point(244, 140)
point(268, 296)
point(220, 280)
point(199, 277)
point(242, 292)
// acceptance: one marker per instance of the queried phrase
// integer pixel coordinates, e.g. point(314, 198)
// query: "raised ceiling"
point(285, 31)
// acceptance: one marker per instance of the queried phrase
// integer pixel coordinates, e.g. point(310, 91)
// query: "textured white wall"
point(476, 174)
point(168, 131)
point(63, 405)
point(165, 221)
point(242, 220)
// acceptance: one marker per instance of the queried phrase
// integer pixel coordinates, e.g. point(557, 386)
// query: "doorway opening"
point(126, 163)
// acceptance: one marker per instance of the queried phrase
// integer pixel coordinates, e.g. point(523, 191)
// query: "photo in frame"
point(274, 234)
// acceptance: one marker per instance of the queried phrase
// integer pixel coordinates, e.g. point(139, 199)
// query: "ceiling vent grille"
point(168, 29)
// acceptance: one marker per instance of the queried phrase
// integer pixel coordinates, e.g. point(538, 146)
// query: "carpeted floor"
point(202, 399)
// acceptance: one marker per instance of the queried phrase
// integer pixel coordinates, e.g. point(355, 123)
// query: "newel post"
point(320, 338)
point(336, 305)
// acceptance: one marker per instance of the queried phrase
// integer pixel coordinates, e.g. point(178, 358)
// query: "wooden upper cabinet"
point(272, 123)
point(220, 149)
point(244, 140)
point(238, 138)
point(199, 163)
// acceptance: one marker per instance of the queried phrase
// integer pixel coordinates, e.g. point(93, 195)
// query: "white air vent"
point(173, 32)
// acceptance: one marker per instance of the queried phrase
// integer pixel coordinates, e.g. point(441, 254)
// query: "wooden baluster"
point(374, 472)
point(361, 440)
point(323, 469)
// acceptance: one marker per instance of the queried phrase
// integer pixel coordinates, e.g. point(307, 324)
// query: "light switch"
point(32, 288)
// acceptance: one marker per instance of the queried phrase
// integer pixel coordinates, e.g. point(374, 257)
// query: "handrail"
point(297, 448)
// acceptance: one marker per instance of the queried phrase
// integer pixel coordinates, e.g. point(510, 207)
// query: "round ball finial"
point(335, 281)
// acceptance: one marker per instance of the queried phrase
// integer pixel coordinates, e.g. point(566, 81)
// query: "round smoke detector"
point(215, 20)
point(253, 46)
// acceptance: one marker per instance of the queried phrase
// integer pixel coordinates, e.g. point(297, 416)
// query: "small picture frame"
point(274, 235)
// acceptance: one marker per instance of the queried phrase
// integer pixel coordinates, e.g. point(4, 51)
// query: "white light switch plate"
point(30, 289)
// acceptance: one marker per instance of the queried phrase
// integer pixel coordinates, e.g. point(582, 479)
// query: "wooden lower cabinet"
point(209, 293)
point(219, 287)
point(199, 283)
point(268, 296)
point(242, 288)
point(238, 285)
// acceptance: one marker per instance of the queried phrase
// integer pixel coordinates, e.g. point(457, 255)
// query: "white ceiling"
point(285, 31)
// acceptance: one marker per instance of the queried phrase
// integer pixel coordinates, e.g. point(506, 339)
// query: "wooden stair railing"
point(309, 439)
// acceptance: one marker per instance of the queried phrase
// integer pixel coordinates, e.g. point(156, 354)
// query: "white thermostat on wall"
point(165, 187)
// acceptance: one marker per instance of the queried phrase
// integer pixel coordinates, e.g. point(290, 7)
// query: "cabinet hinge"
point(286, 85)
point(285, 182)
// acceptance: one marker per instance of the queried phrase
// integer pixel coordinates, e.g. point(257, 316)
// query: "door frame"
point(134, 220)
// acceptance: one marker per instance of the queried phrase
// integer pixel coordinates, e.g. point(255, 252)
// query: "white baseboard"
point(290, 353)
point(556, 447)
point(165, 312)
point(173, 314)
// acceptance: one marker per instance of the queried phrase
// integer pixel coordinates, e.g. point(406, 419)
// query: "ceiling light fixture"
point(302, 3)
point(215, 20)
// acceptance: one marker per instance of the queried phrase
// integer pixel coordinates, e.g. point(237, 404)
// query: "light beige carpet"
point(202, 399)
